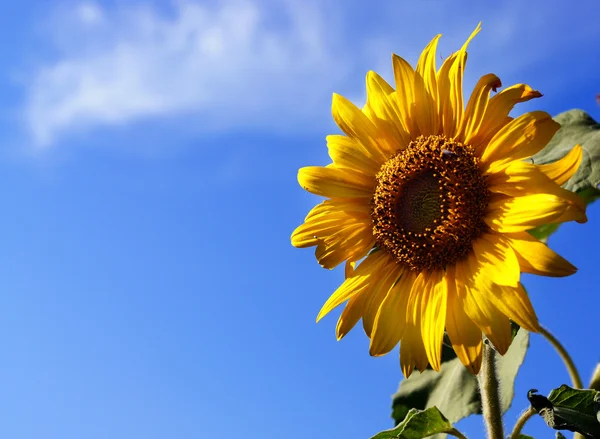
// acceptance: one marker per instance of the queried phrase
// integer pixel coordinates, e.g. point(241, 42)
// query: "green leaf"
point(577, 127)
point(524, 436)
point(569, 409)
point(454, 390)
point(419, 424)
point(559, 435)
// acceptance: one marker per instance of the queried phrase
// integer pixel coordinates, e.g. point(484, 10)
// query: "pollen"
point(429, 203)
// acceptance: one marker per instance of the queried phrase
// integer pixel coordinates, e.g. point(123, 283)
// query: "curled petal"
point(562, 170)
point(477, 106)
point(537, 258)
point(519, 139)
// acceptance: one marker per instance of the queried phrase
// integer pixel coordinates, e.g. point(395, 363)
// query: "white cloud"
point(253, 64)
point(89, 13)
point(235, 65)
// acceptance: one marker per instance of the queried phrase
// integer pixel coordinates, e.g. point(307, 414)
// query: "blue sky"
point(149, 159)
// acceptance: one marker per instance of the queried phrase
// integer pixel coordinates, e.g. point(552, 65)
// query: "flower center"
point(429, 203)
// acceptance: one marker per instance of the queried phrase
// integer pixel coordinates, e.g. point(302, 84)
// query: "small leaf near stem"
point(525, 416)
point(490, 394)
point(564, 355)
point(420, 424)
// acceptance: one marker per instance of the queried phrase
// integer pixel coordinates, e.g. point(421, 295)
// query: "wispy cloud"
point(256, 64)
point(234, 65)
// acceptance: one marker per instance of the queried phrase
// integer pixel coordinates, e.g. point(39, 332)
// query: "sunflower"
point(429, 204)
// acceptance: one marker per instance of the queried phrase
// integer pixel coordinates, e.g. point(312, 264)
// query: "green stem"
point(564, 355)
point(525, 416)
point(490, 394)
point(595, 381)
point(454, 432)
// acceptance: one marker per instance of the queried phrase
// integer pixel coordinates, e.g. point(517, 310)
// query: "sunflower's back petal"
point(332, 182)
point(367, 272)
point(390, 321)
point(537, 258)
point(474, 291)
point(519, 139)
point(477, 106)
point(433, 319)
point(497, 111)
point(562, 170)
point(464, 335)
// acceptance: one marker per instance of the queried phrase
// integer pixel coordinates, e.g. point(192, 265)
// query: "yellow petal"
point(477, 106)
point(382, 108)
point(433, 320)
point(494, 260)
point(390, 321)
point(426, 66)
point(377, 292)
point(367, 272)
point(498, 109)
point(537, 258)
point(456, 78)
point(340, 228)
point(347, 153)
point(519, 139)
point(424, 112)
point(337, 206)
point(350, 316)
point(520, 179)
point(332, 182)
point(425, 89)
point(445, 107)
point(487, 317)
point(562, 170)
point(514, 303)
point(404, 77)
point(318, 227)
point(510, 215)
point(412, 350)
point(358, 126)
point(464, 335)
point(352, 242)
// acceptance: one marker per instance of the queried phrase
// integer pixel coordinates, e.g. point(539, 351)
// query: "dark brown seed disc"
point(429, 203)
